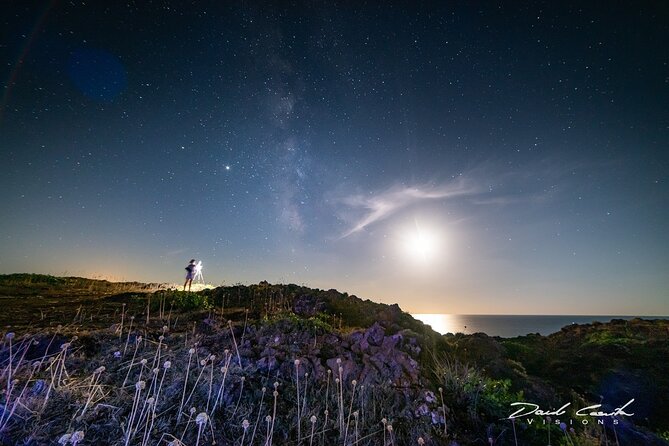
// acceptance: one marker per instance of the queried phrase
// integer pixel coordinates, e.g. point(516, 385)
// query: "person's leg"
point(185, 284)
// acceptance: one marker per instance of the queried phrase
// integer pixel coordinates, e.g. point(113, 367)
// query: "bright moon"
point(421, 244)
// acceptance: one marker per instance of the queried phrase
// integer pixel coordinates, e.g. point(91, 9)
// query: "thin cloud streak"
point(386, 203)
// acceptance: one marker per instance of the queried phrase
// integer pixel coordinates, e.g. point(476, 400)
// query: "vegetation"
point(283, 364)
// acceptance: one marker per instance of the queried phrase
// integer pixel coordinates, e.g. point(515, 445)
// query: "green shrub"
point(184, 300)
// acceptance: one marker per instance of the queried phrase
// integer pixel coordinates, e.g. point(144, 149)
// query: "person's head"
point(192, 260)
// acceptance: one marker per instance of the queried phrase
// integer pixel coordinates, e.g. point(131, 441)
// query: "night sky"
point(453, 157)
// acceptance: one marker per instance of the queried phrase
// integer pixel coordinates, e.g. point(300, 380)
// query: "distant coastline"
point(509, 326)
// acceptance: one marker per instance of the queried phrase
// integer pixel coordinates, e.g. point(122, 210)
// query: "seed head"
point(201, 419)
point(77, 437)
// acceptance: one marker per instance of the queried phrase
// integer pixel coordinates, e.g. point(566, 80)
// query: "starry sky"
point(452, 157)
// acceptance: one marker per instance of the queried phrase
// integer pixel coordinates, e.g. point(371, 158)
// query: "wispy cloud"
point(380, 206)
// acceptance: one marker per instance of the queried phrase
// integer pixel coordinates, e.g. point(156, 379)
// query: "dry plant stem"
point(246, 318)
point(183, 395)
point(190, 418)
point(276, 394)
point(211, 381)
point(120, 332)
point(224, 369)
point(17, 401)
point(127, 339)
point(148, 309)
point(262, 398)
point(235, 342)
point(196, 382)
point(239, 399)
point(350, 410)
point(11, 359)
point(311, 437)
point(91, 391)
point(268, 439)
point(297, 390)
point(304, 395)
point(132, 361)
point(135, 405)
point(443, 410)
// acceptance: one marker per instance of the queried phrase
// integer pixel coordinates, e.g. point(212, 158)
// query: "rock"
point(374, 335)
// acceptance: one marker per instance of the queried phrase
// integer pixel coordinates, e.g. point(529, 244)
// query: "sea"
point(509, 326)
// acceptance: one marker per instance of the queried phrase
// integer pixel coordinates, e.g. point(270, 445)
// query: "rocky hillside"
point(285, 364)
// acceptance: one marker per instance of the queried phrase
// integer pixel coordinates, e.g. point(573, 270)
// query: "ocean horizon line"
point(512, 325)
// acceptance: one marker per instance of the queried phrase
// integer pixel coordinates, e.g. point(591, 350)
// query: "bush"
point(184, 300)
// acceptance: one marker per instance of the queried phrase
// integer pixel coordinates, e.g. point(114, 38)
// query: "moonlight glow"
point(421, 244)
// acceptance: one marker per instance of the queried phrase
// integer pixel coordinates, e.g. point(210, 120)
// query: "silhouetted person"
point(190, 273)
